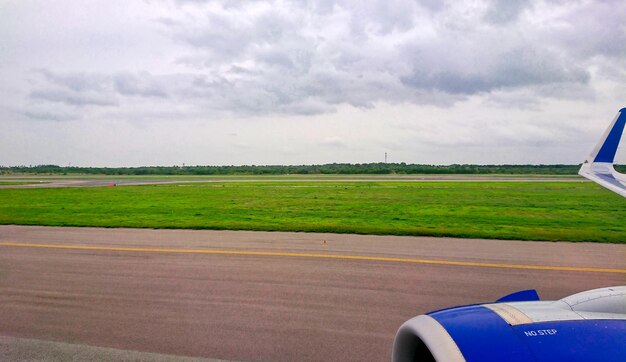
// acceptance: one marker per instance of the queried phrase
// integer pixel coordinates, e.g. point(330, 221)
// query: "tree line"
point(326, 169)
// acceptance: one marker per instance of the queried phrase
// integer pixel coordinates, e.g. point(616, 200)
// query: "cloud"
point(333, 142)
point(143, 85)
point(209, 66)
point(49, 115)
point(594, 28)
point(280, 56)
point(504, 11)
point(515, 68)
point(73, 98)
point(74, 89)
point(286, 57)
point(81, 89)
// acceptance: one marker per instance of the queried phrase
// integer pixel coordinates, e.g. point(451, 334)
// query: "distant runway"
point(258, 295)
point(86, 181)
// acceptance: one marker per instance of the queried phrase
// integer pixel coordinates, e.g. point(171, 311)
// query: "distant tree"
point(328, 169)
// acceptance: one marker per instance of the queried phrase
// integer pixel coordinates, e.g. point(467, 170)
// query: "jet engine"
point(588, 326)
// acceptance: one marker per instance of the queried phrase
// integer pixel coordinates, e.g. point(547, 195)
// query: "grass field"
point(573, 211)
point(34, 178)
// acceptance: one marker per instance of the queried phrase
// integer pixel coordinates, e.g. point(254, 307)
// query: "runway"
point(30, 182)
point(236, 295)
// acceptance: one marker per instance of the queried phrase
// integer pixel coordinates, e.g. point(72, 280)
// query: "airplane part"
point(599, 165)
point(588, 326)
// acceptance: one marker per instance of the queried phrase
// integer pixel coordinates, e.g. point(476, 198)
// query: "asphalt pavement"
point(119, 294)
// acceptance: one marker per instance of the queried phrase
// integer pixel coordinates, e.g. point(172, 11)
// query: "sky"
point(172, 82)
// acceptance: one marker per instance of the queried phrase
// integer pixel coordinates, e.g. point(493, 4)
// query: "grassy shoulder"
point(569, 211)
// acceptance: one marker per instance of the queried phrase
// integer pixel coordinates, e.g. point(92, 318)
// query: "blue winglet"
point(521, 296)
point(609, 147)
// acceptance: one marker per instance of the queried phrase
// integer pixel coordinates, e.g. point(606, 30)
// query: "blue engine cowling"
point(589, 326)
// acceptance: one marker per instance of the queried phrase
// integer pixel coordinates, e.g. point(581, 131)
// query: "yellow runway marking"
point(313, 255)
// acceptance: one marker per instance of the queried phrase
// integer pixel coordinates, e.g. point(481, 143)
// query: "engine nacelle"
point(588, 326)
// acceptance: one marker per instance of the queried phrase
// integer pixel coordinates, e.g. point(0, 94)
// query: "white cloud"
point(333, 141)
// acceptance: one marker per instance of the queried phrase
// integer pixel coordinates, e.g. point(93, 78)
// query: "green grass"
point(282, 177)
point(573, 211)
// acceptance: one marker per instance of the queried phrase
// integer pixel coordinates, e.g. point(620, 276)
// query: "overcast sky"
point(158, 82)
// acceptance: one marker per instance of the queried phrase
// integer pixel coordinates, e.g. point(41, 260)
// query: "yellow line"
point(313, 255)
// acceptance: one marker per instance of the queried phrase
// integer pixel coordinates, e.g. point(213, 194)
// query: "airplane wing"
point(599, 165)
